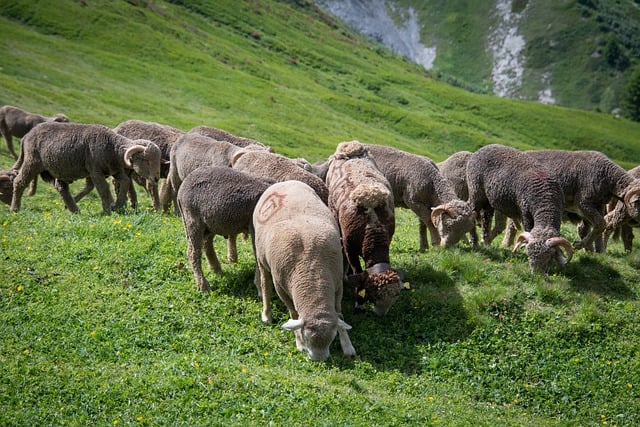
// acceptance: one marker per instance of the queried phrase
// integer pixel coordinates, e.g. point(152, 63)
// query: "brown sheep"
point(17, 122)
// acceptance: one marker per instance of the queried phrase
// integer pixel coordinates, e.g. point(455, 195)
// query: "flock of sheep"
point(314, 225)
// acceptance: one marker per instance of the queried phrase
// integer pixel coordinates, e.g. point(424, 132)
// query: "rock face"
point(371, 18)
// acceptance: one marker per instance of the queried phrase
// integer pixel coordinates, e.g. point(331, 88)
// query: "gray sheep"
point(361, 200)
point(277, 167)
point(216, 200)
point(418, 185)
point(17, 122)
point(298, 252)
point(589, 180)
point(65, 152)
point(164, 137)
point(618, 219)
point(508, 180)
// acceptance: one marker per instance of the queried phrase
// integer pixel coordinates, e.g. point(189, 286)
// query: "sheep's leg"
point(123, 183)
point(256, 276)
point(266, 285)
point(626, 234)
point(166, 195)
point(597, 227)
point(210, 253)
point(345, 343)
point(152, 189)
point(510, 234)
point(20, 183)
point(88, 186)
point(486, 215)
point(9, 138)
point(63, 189)
point(132, 195)
point(194, 253)
point(500, 221)
point(232, 249)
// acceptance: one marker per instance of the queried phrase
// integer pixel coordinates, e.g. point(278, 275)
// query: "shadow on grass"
point(590, 274)
point(430, 312)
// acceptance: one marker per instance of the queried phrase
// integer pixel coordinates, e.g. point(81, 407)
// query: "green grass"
point(100, 320)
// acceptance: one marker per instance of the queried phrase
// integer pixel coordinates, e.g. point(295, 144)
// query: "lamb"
point(622, 215)
point(297, 244)
point(589, 180)
point(216, 200)
point(361, 200)
point(164, 137)
point(17, 122)
point(65, 152)
point(278, 167)
point(418, 185)
point(508, 180)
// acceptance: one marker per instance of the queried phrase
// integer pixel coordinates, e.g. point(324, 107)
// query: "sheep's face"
point(453, 221)
point(382, 289)
point(147, 163)
point(314, 336)
point(6, 186)
point(545, 253)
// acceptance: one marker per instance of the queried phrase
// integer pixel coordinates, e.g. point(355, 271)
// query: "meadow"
point(100, 320)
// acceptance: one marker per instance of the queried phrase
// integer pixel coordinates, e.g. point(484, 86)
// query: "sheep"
point(418, 185)
point(216, 200)
point(278, 167)
point(454, 170)
point(164, 137)
point(589, 180)
point(508, 180)
point(65, 152)
point(17, 122)
point(361, 200)
point(618, 220)
point(297, 245)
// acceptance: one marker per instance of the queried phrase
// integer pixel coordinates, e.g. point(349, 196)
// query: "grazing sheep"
point(454, 170)
point(216, 200)
point(508, 180)
point(164, 137)
point(278, 167)
point(17, 122)
point(418, 185)
point(297, 244)
point(65, 152)
point(622, 215)
point(223, 135)
point(361, 200)
point(589, 180)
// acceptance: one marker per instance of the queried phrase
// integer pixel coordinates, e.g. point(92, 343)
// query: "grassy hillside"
point(100, 321)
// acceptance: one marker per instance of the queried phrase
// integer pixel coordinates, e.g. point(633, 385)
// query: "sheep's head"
point(453, 220)
point(380, 285)
point(144, 158)
point(350, 149)
point(315, 335)
point(6, 185)
point(632, 200)
point(60, 118)
point(543, 252)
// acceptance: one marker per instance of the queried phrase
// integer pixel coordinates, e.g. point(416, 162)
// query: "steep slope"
point(285, 73)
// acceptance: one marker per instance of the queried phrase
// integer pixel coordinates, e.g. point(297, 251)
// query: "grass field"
point(100, 320)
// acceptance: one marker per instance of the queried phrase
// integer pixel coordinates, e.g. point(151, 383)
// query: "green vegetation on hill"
point(100, 321)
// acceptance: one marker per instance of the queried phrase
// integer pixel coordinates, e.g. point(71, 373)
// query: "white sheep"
point(298, 252)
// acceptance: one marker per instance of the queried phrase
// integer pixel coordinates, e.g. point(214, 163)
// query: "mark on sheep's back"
point(271, 206)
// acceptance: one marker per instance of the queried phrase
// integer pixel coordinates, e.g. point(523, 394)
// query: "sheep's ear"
point(293, 324)
point(344, 325)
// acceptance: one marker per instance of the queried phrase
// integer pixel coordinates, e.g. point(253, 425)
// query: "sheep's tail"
point(370, 196)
